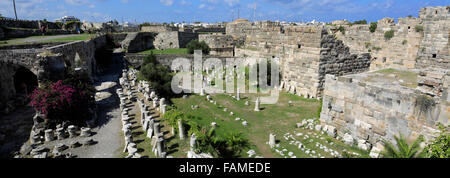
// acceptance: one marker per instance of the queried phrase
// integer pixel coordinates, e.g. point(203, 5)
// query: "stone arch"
point(25, 81)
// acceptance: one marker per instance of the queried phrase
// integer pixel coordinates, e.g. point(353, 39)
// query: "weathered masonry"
point(307, 54)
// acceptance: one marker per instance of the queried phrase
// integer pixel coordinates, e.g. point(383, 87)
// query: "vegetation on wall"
point(342, 29)
point(419, 28)
point(389, 34)
point(373, 27)
point(424, 104)
point(359, 22)
point(404, 42)
point(439, 147)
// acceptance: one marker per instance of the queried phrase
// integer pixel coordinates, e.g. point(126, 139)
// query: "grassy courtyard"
point(166, 51)
point(280, 119)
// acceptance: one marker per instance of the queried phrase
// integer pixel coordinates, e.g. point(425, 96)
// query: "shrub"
point(68, 100)
point(373, 27)
point(359, 22)
point(404, 42)
point(367, 44)
point(438, 148)
point(402, 149)
point(157, 75)
point(342, 29)
point(197, 45)
point(389, 34)
point(419, 28)
point(424, 103)
point(228, 146)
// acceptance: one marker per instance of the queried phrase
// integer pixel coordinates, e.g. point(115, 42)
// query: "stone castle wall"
point(221, 45)
point(375, 112)
point(46, 63)
point(158, 28)
point(410, 47)
point(32, 24)
point(397, 52)
point(306, 53)
point(434, 48)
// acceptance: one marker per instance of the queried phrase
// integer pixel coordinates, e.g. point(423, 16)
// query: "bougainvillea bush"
point(68, 100)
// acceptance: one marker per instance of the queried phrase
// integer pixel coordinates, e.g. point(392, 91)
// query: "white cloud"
point(201, 6)
point(166, 2)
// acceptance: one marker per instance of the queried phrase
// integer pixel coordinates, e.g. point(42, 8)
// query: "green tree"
point(373, 26)
point(438, 148)
point(197, 45)
point(402, 149)
point(359, 22)
point(230, 145)
point(157, 75)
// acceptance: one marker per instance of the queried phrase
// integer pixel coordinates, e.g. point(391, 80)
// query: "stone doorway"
point(25, 81)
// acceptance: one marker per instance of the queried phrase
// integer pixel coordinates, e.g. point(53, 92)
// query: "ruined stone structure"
point(376, 106)
point(48, 63)
point(175, 39)
point(307, 54)
point(434, 48)
point(417, 42)
point(141, 41)
point(221, 45)
point(158, 28)
point(370, 106)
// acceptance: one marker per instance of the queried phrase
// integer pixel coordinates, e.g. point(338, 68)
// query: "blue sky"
point(216, 10)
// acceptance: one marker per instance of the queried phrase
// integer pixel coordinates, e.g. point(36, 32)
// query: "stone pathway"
point(108, 132)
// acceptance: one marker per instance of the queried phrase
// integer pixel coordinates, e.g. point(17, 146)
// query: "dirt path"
point(108, 132)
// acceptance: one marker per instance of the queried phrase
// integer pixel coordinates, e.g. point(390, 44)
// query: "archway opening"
point(24, 81)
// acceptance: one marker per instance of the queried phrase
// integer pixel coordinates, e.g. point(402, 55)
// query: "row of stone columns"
point(125, 100)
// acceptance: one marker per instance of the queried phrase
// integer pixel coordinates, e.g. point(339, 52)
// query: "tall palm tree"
point(402, 149)
point(15, 12)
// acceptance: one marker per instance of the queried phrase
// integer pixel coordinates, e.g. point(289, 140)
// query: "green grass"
point(409, 77)
point(166, 51)
point(20, 41)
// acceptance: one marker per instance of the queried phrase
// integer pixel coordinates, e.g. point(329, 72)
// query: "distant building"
point(67, 19)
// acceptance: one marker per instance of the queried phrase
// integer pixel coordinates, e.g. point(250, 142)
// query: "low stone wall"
point(32, 24)
point(22, 33)
point(210, 30)
point(165, 59)
point(158, 28)
point(376, 111)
